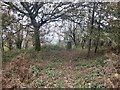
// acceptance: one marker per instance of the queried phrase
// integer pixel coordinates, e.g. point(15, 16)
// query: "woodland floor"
point(60, 69)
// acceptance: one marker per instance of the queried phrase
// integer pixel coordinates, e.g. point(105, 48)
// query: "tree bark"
point(2, 45)
point(2, 42)
point(37, 39)
point(118, 5)
point(91, 30)
point(74, 39)
point(26, 44)
point(69, 45)
point(19, 41)
point(19, 44)
point(98, 37)
point(97, 43)
point(10, 44)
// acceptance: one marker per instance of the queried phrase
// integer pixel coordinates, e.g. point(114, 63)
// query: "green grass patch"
point(8, 55)
point(59, 83)
point(52, 47)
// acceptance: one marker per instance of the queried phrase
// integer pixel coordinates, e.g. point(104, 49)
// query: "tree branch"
point(16, 8)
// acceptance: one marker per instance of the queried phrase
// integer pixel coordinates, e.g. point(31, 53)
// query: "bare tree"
point(41, 13)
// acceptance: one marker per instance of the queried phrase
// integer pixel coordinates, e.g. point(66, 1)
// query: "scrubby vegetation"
point(58, 68)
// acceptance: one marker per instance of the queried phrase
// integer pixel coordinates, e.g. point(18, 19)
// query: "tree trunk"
point(89, 48)
point(118, 5)
point(83, 43)
point(37, 39)
point(26, 41)
point(26, 44)
point(10, 44)
point(2, 42)
point(19, 44)
point(97, 43)
point(118, 49)
point(19, 40)
point(98, 37)
point(69, 45)
point(74, 39)
point(75, 43)
point(91, 30)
